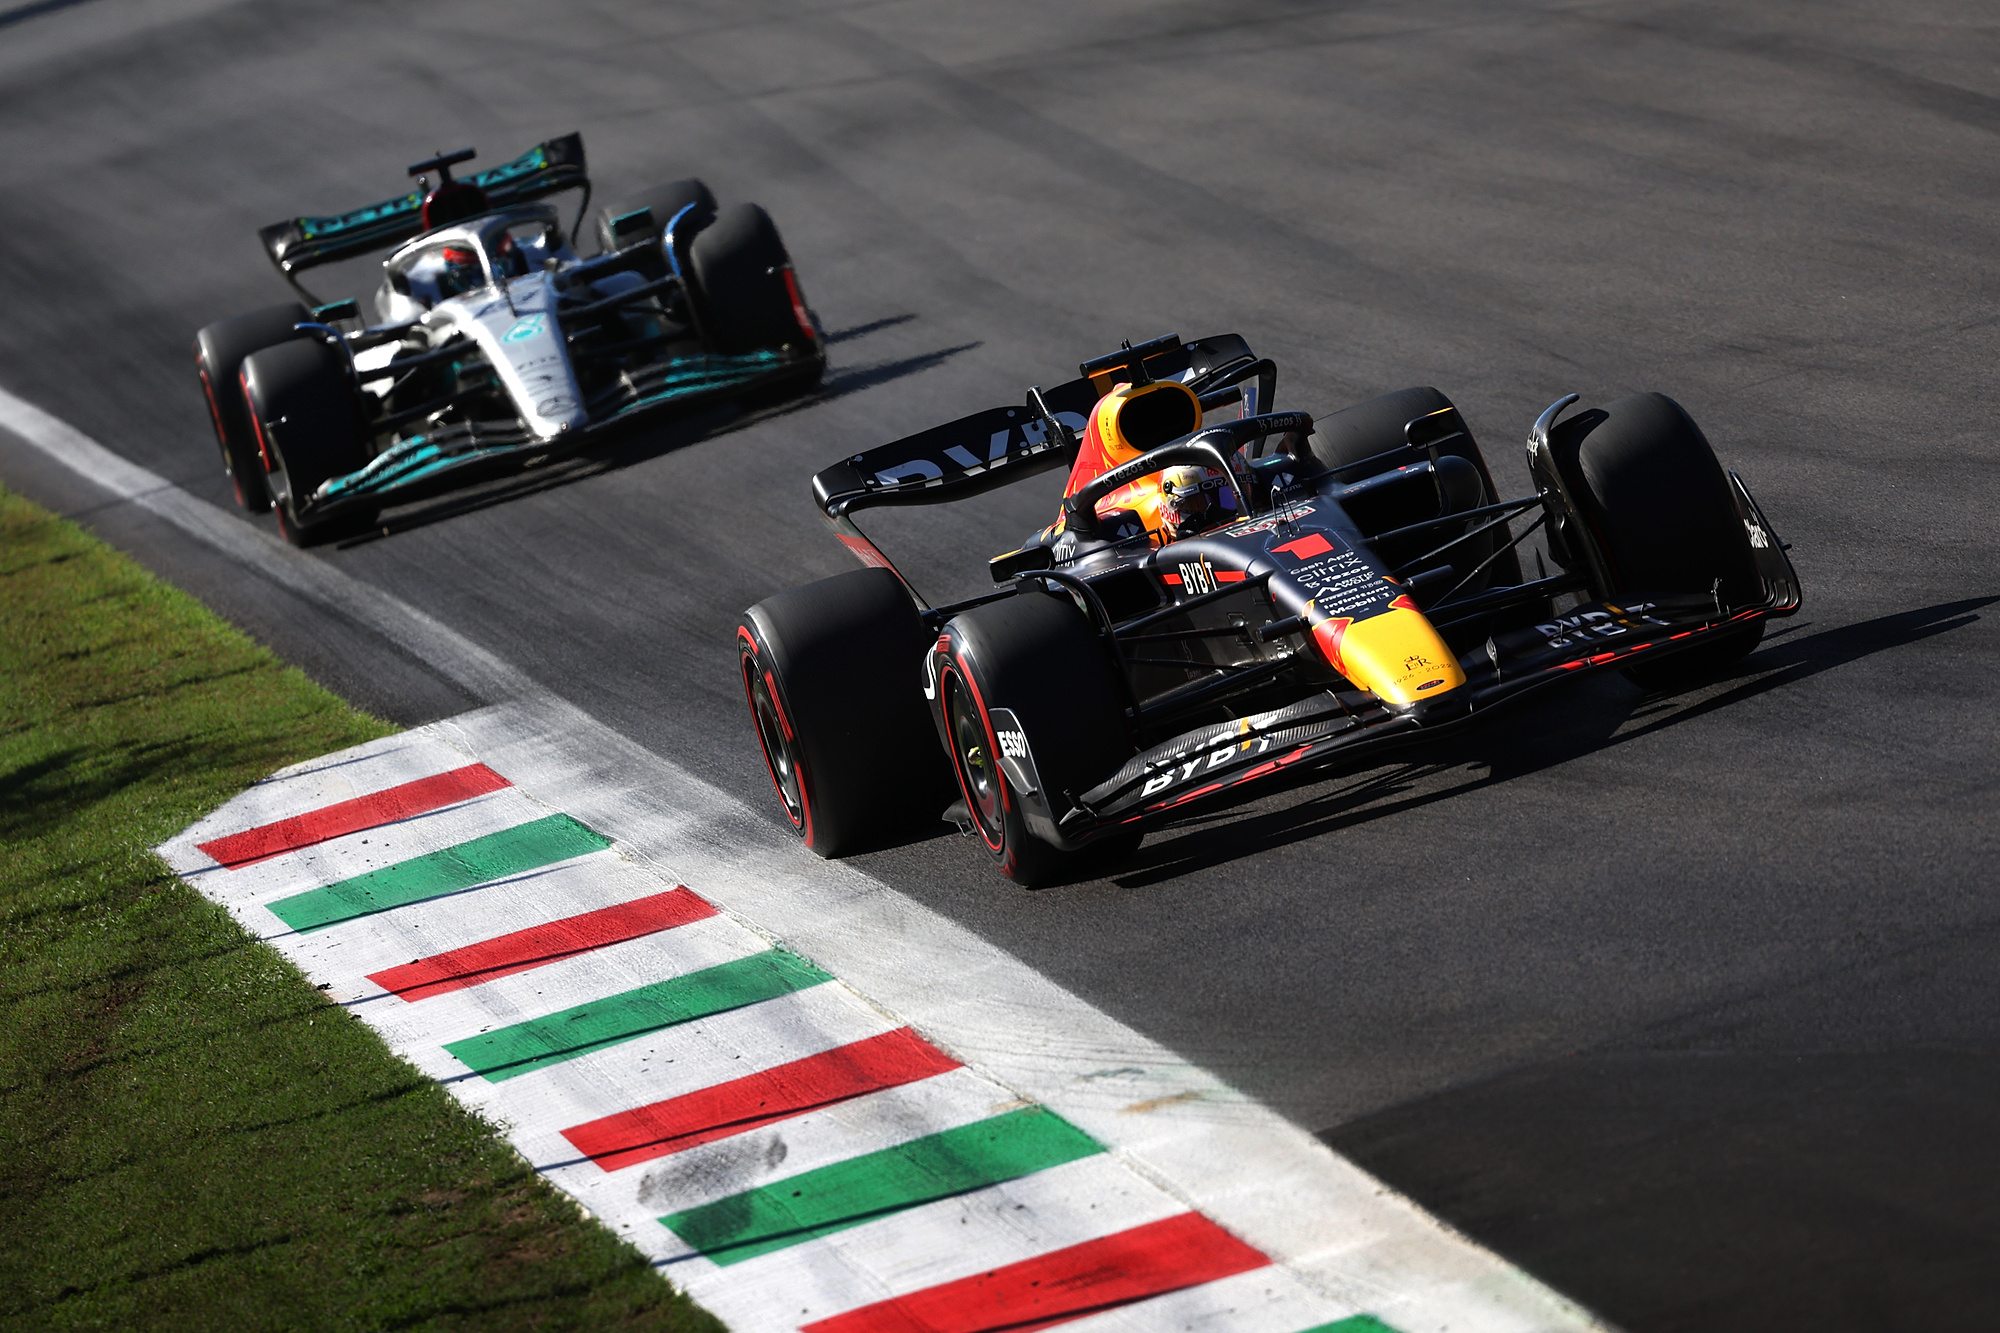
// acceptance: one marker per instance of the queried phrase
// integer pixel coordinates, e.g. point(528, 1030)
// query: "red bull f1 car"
point(493, 343)
point(1224, 603)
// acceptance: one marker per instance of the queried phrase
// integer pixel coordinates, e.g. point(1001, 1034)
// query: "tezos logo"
point(1013, 745)
point(528, 326)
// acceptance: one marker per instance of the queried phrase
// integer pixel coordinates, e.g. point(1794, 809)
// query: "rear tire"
point(745, 285)
point(1038, 655)
point(308, 425)
point(219, 350)
point(1660, 507)
point(1379, 425)
point(665, 201)
point(833, 676)
point(1374, 427)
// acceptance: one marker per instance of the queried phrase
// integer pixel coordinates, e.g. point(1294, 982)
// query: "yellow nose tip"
point(1396, 655)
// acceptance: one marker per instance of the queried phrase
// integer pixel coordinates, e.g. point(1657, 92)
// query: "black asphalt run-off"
point(1686, 1003)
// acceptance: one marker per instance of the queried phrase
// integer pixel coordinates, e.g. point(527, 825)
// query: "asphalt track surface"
point(1686, 1003)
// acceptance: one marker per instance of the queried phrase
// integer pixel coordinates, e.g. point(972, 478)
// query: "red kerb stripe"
point(743, 1104)
point(363, 812)
point(523, 950)
point(1098, 1275)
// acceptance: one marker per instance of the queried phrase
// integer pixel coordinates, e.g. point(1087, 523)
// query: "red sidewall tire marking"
point(753, 662)
point(957, 669)
point(256, 423)
point(215, 419)
point(799, 312)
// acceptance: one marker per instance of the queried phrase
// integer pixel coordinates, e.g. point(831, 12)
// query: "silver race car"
point(493, 343)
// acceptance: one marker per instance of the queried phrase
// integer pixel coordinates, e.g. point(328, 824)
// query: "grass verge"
point(190, 1136)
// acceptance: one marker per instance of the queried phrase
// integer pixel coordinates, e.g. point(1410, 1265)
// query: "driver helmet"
point(509, 259)
point(1194, 499)
point(460, 271)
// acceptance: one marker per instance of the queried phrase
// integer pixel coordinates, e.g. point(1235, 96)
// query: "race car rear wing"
point(959, 459)
point(974, 454)
point(988, 449)
point(305, 242)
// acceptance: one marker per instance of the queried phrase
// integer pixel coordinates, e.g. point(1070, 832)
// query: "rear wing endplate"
point(302, 243)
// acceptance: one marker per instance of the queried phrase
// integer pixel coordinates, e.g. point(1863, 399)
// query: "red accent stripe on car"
point(1174, 579)
point(537, 946)
point(1230, 576)
point(744, 1104)
point(363, 812)
point(865, 551)
point(1099, 1275)
point(1198, 793)
point(1305, 548)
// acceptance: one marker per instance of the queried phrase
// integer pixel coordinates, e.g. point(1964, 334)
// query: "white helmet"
point(1194, 499)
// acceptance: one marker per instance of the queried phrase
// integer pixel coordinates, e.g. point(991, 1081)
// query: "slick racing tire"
point(833, 673)
point(219, 350)
point(1374, 427)
point(1366, 430)
point(749, 297)
point(665, 201)
point(309, 426)
point(1038, 655)
point(1659, 505)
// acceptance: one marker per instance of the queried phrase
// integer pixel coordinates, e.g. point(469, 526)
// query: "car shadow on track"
point(1535, 738)
point(853, 331)
point(663, 434)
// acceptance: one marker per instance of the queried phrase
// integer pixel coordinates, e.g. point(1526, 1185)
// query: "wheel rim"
point(778, 756)
point(978, 773)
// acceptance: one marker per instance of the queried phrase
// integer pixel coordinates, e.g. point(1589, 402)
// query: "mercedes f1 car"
point(494, 343)
point(1228, 603)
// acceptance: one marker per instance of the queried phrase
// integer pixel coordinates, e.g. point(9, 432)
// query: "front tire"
point(310, 428)
point(1659, 505)
point(750, 299)
point(1039, 656)
point(219, 351)
point(832, 674)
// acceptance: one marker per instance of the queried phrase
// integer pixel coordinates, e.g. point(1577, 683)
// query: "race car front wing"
point(417, 464)
point(1224, 762)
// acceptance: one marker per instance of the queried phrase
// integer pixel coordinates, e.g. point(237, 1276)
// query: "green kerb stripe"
point(511, 851)
point(846, 1194)
point(1355, 1323)
point(568, 1033)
